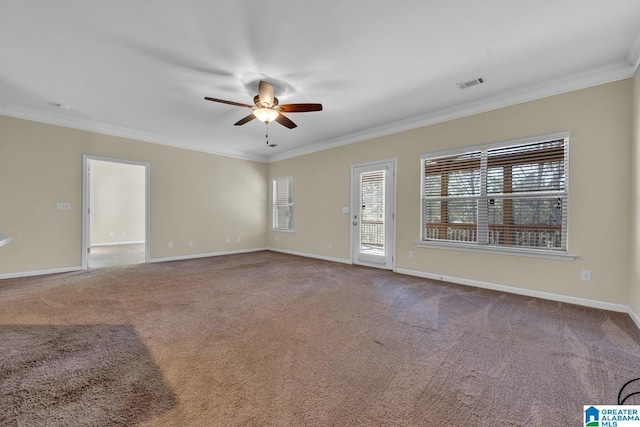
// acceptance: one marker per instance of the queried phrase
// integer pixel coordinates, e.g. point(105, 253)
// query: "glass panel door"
point(372, 214)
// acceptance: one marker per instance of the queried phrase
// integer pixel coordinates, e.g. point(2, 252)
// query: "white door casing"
point(373, 214)
point(86, 217)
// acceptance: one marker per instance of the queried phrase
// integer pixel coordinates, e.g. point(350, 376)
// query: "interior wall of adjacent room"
point(599, 119)
point(195, 196)
point(117, 203)
point(634, 290)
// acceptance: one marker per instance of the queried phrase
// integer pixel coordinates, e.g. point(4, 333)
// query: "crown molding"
point(593, 77)
point(634, 51)
point(118, 131)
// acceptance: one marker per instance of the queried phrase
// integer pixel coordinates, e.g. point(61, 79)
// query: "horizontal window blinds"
point(283, 203)
point(510, 195)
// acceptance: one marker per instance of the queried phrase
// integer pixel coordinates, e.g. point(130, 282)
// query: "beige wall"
point(194, 196)
point(634, 291)
point(207, 198)
point(117, 202)
point(599, 120)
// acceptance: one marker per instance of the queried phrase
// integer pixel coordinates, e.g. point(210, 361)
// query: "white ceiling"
point(142, 68)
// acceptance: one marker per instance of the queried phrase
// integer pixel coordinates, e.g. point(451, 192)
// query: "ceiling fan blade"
point(265, 92)
point(299, 108)
point(285, 122)
point(228, 102)
point(245, 120)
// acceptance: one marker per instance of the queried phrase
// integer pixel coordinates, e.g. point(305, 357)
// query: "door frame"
point(86, 224)
point(390, 246)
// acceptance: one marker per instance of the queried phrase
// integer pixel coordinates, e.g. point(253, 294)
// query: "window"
point(283, 203)
point(504, 195)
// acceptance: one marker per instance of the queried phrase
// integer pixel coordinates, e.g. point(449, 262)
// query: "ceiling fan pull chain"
point(266, 125)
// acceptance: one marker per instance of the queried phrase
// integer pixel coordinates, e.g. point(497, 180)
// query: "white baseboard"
point(40, 272)
point(322, 257)
point(634, 316)
point(462, 281)
point(211, 254)
point(520, 291)
point(134, 242)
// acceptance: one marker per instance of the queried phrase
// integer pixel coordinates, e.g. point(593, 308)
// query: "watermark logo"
point(619, 415)
point(592, 417)
point(612, 415)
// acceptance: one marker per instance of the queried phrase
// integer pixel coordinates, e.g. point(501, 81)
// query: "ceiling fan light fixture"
point(267, 108)
point(266, 114)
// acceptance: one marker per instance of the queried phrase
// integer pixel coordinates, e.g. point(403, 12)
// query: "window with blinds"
point(509, 195)
point(283, 203)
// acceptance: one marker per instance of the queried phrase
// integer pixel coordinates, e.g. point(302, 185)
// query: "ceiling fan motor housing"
point(256, 100)
point(267, 109)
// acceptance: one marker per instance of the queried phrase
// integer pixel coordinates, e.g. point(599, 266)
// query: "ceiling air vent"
point(470, 83)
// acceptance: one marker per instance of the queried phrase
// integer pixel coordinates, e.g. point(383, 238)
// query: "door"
point(373, 214)
point(123, 191)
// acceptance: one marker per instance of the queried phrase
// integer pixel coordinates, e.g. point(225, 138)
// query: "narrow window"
point(283, 203)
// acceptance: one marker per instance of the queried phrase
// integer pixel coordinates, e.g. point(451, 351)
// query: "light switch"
point(63, 206)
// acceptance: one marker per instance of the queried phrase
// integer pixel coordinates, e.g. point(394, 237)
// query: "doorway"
point(373, 214)
point(115, 212)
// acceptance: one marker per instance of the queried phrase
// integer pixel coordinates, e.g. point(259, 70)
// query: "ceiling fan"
point(267, 109)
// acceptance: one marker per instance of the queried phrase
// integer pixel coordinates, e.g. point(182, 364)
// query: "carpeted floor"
point(64, 375)
point(268, 339)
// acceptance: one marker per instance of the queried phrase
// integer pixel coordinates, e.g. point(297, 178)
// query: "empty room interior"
point(340, 213)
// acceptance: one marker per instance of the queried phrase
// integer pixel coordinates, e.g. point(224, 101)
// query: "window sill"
point(534, 253)
point(283, 231)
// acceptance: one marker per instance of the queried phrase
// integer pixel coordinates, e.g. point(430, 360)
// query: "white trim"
point(483, 150)
point(588, 78)
point(85, 232)
point(388, 264)
point(393, 160)
point(118, 131)
point(519, 291)
point(207, 255)
point(502, 250)
point(306, 255)
point(634, 51)
point(277, 230)
point(4, 239)
point(634, 316)
point(498, 144)
point(40, 272)
point(274, 205)
point(461, 281)
point(134, 242)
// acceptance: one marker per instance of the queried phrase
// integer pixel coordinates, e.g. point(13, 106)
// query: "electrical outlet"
point(170, 244)
point(123, 233)
point(330, 245)
point(410, 254)
point(190, 242)
point(228, 239)
point(585, 275)
point(238, 239)
point(111, 234)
